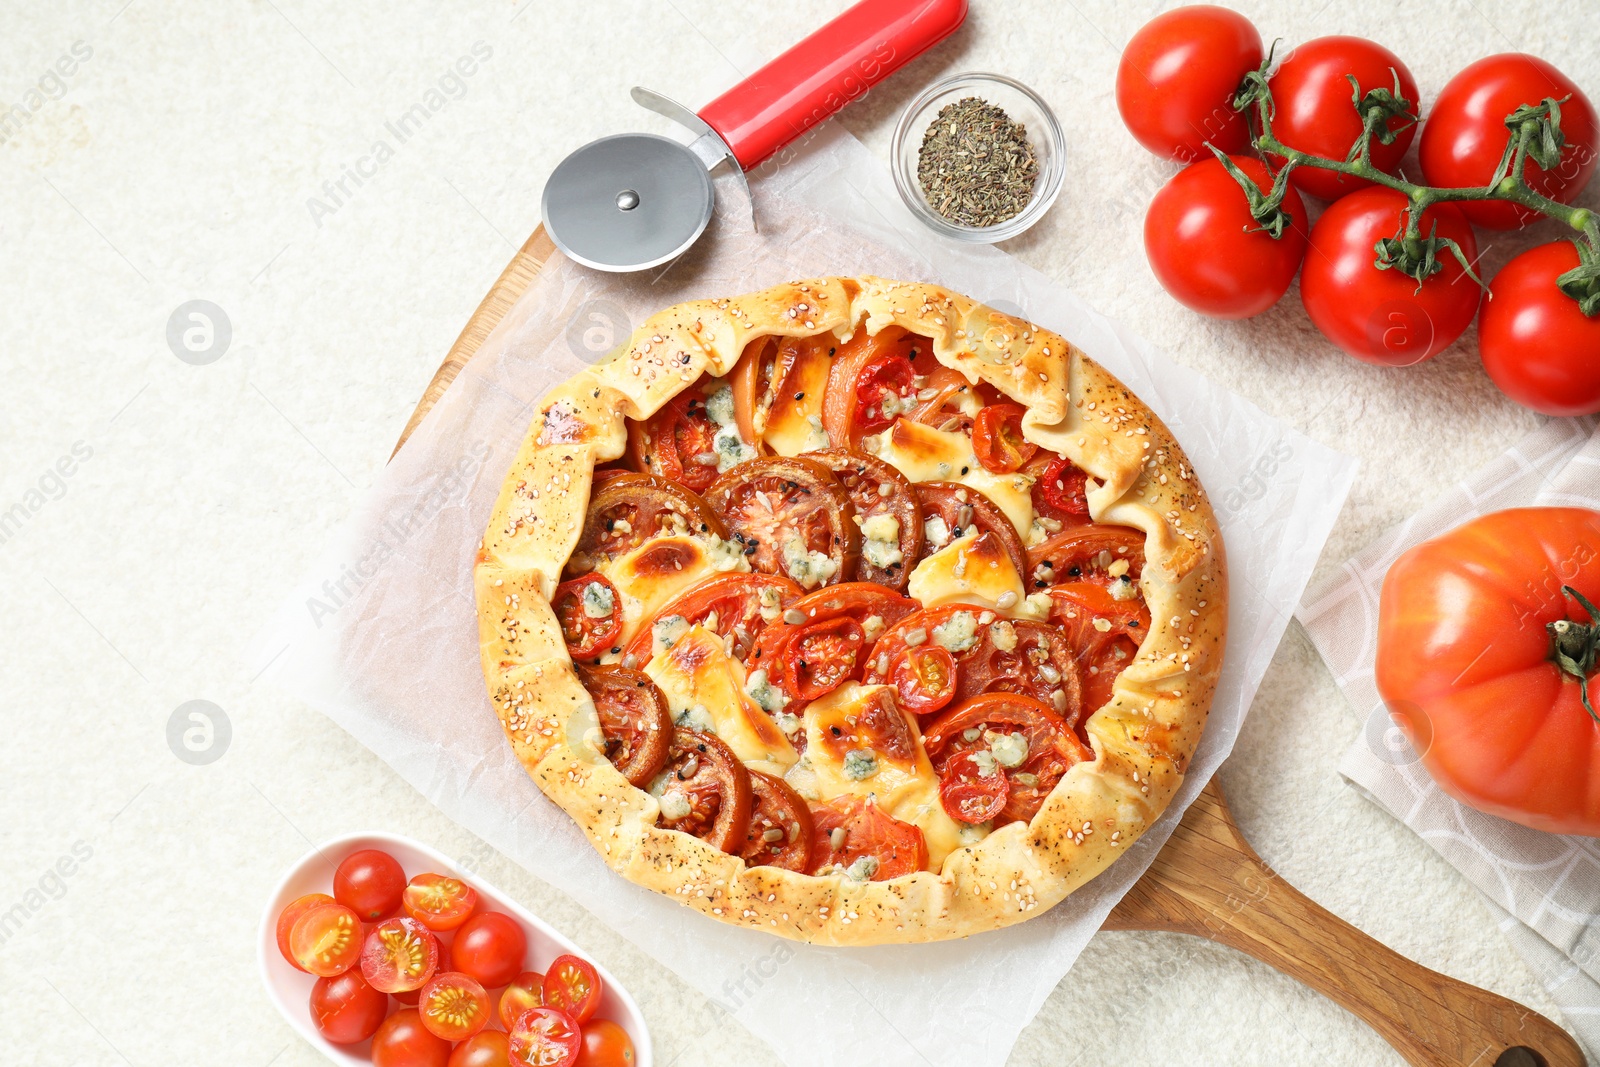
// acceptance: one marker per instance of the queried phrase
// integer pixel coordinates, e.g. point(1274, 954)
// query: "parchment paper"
point(382, 635)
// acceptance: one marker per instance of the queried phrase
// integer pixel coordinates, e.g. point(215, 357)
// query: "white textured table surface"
point(176, 163)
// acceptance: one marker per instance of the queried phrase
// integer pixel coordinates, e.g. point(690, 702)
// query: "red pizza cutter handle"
point(826, 71)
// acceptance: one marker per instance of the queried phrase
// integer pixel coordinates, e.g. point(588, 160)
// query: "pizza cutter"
point(636, 200)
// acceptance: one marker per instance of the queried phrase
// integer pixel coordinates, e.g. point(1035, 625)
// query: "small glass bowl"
point(1019, 102)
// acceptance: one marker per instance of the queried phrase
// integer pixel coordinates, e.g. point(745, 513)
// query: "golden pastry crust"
point(1142, 739)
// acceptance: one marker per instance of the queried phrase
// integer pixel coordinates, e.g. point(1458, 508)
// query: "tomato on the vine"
point(1383, 316)
point(1537, 345)
point(1466, 135)
point(1316, 108)
point(1210, 253)
point(1177, 78)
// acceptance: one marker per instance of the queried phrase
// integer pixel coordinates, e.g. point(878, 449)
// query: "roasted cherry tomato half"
point(589, 612)
point(402, 1041)
point(438, 901)
point(490, 948)
point(1031, 744)
point(545, 1037)
point(780, 826)
point(792, 517)
point(634, 720)
point(869, 371)
point(454, 1006)
point(973, 787)
point(326, 940)
point(704, 790)
point(961, 510)
point(736, 607)
point(346, 1009)
point(369, 883)
point(818, 656)
point(680, 442)
point(574, 986)
point(997, 438)
point(925, 678)
point(854, 837)
point(605, 1044)
point(399, 955)
point(880, 494)
point(1060, 489)
point(286, 920)
point(629, 509)
point(525, 991)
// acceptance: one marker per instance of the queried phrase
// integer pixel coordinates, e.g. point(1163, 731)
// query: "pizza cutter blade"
point(634, 201)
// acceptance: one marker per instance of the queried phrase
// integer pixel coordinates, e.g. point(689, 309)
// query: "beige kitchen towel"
point(1544, 888)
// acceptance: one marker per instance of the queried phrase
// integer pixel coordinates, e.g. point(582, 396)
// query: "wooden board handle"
point(1209, 882)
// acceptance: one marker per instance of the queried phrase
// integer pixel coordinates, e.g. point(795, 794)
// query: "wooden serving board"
point(1208, 882)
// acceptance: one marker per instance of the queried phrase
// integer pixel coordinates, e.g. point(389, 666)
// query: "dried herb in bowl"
point(976, 165)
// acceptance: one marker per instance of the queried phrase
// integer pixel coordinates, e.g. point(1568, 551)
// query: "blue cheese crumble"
point(767, 697)
point(860, 764)
point(808, 569)
point(665, 632)
point(728, 445)
point(958, 633)
point(598, 600)
point(881, 541)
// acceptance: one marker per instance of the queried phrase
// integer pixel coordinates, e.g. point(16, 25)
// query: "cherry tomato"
point(866, 370)
point(972, 789)
point(876, 488)
point(402, 1041)
point(792, 517)
point(962, 510)
point(627, 510)
point(1033, 746)
point(1465, 135)
point(1540, 349)
point(1062, 490)
point(286, 920)
point(545, 1037)
point(369, 883)
point(1209, 253)
point(1080, 609)
point(605, 1044)
point(634, 720)
point(346, 1009)
point(590, 614)
point(997, 438)
point(855, 837)
point(486, 1048)
point(454, 1006)
point(1177, 78)
point(438, 902)
point(326, 940)
point(818, 656)
point(712, 788)
point(1315, 112)
point(574, 986)
point(885, 378)
point(400, 955)
point(490, 948)
point(780, 826)
point(925, 678)
point(740, 604)
point(1379, 316)
point(525, 991)
point(678, 443)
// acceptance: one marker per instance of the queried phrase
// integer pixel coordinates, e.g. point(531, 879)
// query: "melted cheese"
point(790, 429)
point(849, 763)
point(654, 573)
point(974, 569)
point(697, 672)
point(924, 454)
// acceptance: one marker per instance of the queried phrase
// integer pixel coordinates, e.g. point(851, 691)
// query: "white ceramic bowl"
point(290, 989)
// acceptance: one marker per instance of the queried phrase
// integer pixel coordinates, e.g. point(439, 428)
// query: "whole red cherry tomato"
point(1316, 113)
point(402, 1041)
point(1540, 349)
point(1177, 78)
point(1209, 253)
point(346, 1009)
point(1466, 135)
point(369, 883)
point(605, 1044)
point(1381, 316)
point(490, 948)
point(1468, 626)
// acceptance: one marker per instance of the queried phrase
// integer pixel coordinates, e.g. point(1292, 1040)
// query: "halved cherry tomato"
point(865, 371)
point(486, 1048)
point(1062, 490)
point(525, 991)
point(400, 955)
point(1079, 609)
point(741, 603)
point(677, 443)
point(369, 882)
point(822, 648)
point(634, 719)
point(490, 948)
point(1083, 551)
point(410, 997)
point(855, 837)
point(703, 771)
point(545, 1037)
point(605, 1044)
point(629, 509)
point(286, 920)
point(346, 1009)
point(402, 1041)
point(997, 438)
point(881, 387)
point(780, 826)
point(964, 510)
point(454, 1006)
point(925, 678)
point(941, 386)
point(439, 902)
point(1032, 744)
point(819, 656)
point(792, 517)
point(973, 790)
point(590, 614)
point(574, 986)
point(877, 488)
point(326, 940)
